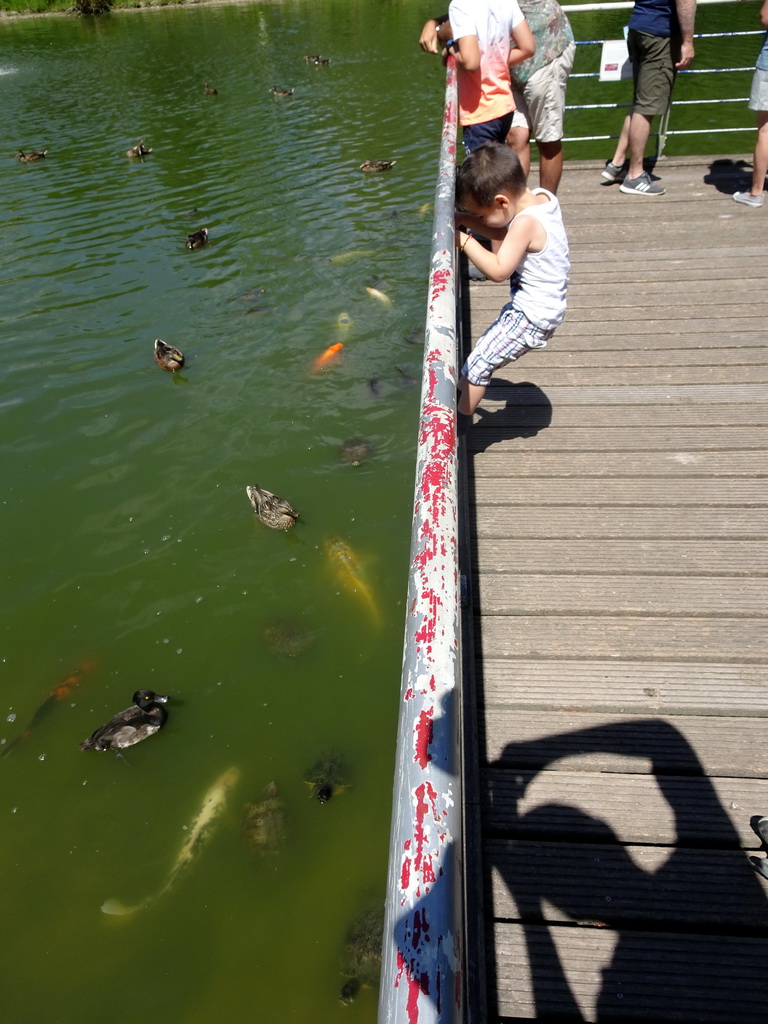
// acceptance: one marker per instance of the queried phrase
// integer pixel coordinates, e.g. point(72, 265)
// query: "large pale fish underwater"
point(377, 293)
point(348, 572)
point(200, 831)
point(351, 257)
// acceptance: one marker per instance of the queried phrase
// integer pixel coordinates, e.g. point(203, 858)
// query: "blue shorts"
point(475, 135)
point(508, 338)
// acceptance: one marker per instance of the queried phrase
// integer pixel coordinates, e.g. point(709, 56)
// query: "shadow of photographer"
point(683, 926)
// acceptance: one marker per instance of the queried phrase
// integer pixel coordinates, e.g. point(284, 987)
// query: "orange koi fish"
point(326, 357)
point(348, 572)
point(57, 694)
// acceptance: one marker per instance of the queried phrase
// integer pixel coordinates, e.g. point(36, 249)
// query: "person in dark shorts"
point(660, 43)
point(485, 38)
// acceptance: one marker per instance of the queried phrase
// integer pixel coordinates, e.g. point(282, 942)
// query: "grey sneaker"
point(641, 186)
point(761, 827)
point(748, 199)
point(613, 173)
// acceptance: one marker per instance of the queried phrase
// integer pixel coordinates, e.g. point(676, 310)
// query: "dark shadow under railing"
point(423, 951)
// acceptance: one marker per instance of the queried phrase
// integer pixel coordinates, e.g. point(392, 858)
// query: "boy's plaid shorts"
point(509, 337)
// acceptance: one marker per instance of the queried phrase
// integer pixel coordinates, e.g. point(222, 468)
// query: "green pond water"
point(130, 549)
point(130, 554)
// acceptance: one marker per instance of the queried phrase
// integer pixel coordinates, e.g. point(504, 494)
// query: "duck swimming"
point(168, 357)
point(138, 150)
point(144, 718)
point(377, 165)
point(281, 92)
point(197, 239)
point(271, 510)
point(28, 158)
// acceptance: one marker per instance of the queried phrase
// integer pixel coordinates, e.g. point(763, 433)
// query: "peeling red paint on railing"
point(421, 980)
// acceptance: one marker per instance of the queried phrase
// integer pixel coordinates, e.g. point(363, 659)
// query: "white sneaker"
point(748, 199)
point(643, 185)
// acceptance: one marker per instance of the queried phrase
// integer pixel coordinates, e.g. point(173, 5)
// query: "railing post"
point(422, 971)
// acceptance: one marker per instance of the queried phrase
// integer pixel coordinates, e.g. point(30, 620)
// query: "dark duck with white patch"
point(144, 718)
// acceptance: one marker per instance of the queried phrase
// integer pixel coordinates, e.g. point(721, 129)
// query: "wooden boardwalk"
point(618, 495)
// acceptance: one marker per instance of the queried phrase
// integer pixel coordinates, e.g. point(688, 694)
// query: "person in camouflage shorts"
point(538, 88)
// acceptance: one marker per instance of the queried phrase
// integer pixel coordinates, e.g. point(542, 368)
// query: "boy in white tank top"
point(492, 197)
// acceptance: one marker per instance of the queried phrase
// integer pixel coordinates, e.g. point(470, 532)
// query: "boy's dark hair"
point(488, 170)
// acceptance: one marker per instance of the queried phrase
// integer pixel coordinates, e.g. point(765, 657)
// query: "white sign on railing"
point(614, 61)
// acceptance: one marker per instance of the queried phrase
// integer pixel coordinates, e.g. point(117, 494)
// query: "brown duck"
point(138, 150)
point(377, 165)
point(28, 158)
point(168, 357)
point(271, 510)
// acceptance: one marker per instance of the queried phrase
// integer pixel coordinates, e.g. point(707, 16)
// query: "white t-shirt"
point(485, 94)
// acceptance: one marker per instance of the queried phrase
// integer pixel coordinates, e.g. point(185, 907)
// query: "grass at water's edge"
point(22, 8)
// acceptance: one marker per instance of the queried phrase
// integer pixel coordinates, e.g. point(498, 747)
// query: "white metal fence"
point(665, 130)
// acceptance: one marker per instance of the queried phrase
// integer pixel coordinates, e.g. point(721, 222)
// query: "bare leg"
point(760, 158)
point(517, 139)
point(470, 396)
point(622, 145)
point(639, 130)
point(550, 164)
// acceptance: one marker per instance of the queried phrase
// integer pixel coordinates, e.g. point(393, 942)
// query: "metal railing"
point(664, 130)
point(423, 954)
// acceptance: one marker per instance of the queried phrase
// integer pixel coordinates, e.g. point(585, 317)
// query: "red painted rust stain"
point(424, 738)
point(426, 802)
point(405, 873)
point(417, 984)
point(440, 281)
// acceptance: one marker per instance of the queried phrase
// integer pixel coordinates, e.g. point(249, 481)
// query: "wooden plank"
point(583, 521)
point(693, 275)
point(651, 326)
point(635, 259)
point(568, 355)
point(729, 689)
point(641, 316)
point(625, 636)
point(744, 330)
point(583, 464)
point(598, 974)
point(638, 492)
point(622, 557)
point(496, 428)
point(648, 289)
point(591, 883)
point(627, 808)
point(672, 744)
point(622, 418)
point(545, 375)
point(505, 389)
point(517, 594)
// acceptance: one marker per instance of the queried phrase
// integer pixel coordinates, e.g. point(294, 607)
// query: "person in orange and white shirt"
point(485, 38)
